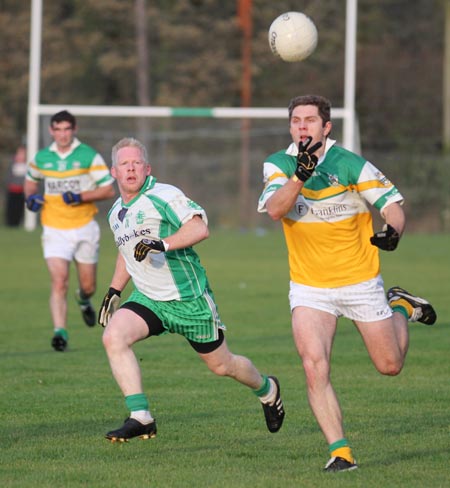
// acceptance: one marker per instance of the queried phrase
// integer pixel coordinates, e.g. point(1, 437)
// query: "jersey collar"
point(54, 148)
point(149, 183)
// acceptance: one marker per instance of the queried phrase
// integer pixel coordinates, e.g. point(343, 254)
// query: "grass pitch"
point(56, 407)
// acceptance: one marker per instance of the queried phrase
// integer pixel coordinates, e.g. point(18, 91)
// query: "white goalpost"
point(36, 109)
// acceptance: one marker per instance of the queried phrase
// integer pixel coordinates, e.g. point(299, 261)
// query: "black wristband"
point(113, 291)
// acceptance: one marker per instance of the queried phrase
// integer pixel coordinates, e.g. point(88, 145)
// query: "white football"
point(292, 36)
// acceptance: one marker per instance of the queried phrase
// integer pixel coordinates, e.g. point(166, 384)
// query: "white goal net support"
point(215, 155)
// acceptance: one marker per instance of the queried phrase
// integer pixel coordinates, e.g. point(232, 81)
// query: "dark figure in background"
point(15, 202)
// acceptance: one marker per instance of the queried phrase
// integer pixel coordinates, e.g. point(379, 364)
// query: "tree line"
point(193, 58)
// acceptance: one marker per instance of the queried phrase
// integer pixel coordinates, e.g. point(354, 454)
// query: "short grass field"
point(56, 407)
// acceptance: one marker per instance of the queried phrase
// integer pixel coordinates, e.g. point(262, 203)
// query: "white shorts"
point(363, 302)
point(81, 244)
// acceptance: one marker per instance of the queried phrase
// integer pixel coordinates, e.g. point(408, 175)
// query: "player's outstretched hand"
point(110, 304)
point(35, 202)
point(387, 239)
point(149, 245)
point(306, 159)
point(71, 198)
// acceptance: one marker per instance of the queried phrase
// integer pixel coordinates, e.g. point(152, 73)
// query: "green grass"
point(55, 408)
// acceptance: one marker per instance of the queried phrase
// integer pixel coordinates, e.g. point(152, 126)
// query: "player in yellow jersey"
point(73, 176)
point(321, 193)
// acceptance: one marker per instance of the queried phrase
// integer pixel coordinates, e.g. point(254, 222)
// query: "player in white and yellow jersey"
point(321, 193)
point(155, 226)
point(74, 177)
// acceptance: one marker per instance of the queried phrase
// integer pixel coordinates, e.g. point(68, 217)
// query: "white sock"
point(272, 395)
point(142, 416)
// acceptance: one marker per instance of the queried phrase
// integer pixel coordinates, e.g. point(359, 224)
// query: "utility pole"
point(244, 8)
point(142, 68)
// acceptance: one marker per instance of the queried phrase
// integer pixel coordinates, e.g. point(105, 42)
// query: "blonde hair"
point(128, 142)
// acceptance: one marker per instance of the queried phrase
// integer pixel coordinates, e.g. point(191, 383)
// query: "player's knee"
point(219, 369)
point(111, 339)
point(60, 286)
point(390, 367)
point(224, 367)
point(316, 372)
point(87, 290)
point(107, 339)
point(391, 371)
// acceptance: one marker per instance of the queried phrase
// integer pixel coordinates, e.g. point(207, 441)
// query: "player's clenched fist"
point(35, 202)
point(71, 198)
point(149, 245)
point(387, 239)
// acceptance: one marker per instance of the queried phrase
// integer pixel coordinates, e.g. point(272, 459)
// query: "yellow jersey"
point(328, 229)
point(80, 169)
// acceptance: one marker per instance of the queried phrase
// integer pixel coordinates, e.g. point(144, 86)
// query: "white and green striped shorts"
point(197, 320)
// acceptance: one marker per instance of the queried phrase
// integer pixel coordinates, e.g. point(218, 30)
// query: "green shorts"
point(197, 320)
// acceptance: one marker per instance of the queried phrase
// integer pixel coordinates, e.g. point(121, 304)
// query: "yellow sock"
point(343, 452)
point(403, 304)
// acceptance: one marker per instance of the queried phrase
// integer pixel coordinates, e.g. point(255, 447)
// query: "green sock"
point(402, 310)
point(82, 299)
point(136, 402)
point(336, 445)
point(264, 388)
point(63, 333)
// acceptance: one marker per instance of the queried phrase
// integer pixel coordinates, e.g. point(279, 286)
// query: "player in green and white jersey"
point(155, 226)
point(321, 193)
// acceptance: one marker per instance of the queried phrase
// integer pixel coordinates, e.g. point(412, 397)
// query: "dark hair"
point(63, 116)
point(322, 103)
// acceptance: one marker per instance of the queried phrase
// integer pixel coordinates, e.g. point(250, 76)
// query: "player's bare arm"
point(121, 276)
point(100, 193)
point(30, 187)
point(281, 202)
point(190, 233)
point(187, 235)
point(394, 216)
point(286, 196)
point(388, 238)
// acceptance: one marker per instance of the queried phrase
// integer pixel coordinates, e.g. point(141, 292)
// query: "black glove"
point(110, 304)
point(71, 198)
point(306, 160)
point(35, 202)
point(387, 239)
point(154, 246)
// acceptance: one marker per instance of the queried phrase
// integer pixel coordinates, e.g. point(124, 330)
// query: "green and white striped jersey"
point(156, 213)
